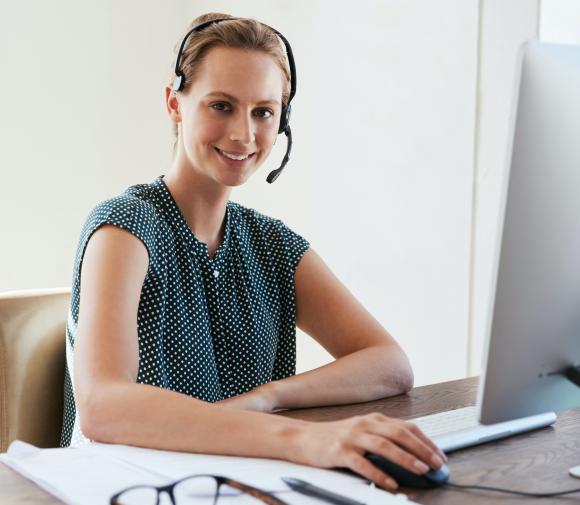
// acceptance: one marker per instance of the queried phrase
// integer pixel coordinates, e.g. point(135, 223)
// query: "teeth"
point(233, 156)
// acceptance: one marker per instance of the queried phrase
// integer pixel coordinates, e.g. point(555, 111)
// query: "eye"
point(221, 106)
point(264, 113)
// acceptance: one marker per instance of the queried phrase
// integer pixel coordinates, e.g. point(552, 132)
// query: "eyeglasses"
point(198, 490)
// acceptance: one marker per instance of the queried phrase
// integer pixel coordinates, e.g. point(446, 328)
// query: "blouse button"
point(216, 273)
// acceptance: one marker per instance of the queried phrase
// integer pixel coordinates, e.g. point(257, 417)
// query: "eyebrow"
point(235, 100)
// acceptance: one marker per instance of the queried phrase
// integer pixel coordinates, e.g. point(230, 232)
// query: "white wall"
point(82, 118)
point(560, 21)
point(504, 27)
point(385, 127)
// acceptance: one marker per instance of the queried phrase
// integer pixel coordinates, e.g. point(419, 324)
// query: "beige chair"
point(32, 364)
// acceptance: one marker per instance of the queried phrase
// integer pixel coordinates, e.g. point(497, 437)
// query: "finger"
point(366, 469)
point(419, 433)
point(403, 435)
point(417, 443)
point(391, 451)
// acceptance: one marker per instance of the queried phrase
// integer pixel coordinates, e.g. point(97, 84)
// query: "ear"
point(172, 104)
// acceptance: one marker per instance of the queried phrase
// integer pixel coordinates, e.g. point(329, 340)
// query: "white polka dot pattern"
point(210, 328)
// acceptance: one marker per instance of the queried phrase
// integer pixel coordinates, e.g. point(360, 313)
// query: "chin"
point(233, 181)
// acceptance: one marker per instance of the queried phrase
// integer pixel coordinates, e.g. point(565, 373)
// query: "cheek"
point(212, 130)
point(269, 136)
point(203, 128)
point(207, 133)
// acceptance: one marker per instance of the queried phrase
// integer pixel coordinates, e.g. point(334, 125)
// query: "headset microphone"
point(273, 175)
point(284, 127)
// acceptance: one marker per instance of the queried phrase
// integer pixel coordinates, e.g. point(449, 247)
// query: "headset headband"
point(201, 26)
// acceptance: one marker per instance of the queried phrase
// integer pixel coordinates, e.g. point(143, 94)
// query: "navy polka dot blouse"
point(210, 328)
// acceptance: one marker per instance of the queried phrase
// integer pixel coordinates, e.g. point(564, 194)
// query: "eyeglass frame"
point(220, 479)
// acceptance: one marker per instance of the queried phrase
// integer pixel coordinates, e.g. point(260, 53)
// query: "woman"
point(184, 337)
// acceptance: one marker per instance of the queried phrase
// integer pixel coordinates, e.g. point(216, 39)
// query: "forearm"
point(148, 416)
point(365, 375)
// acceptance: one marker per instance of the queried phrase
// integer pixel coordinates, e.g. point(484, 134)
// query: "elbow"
point(87, 412)
point(399, 383)
point(406, 375)
point(97, 428)
point(407, 380)
point(87, 423)
point(403, 378)
point(92, 410)
point(87, 428)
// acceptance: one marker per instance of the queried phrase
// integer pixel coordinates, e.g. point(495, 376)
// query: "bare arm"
point(113, 408)
point(369, 363)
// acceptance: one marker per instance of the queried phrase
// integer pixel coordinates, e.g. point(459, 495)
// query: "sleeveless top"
point(210, 328)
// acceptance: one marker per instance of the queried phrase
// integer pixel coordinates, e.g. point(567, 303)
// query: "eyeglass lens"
point(198, 490)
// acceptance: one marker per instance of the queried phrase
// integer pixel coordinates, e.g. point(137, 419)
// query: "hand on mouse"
point(344, 444)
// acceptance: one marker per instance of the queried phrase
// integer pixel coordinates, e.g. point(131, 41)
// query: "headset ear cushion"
point(177, 83)
point(285, 118)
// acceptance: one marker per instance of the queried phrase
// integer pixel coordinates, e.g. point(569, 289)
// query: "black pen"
point(322, 494)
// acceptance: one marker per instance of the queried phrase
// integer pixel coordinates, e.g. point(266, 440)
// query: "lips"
point(234, 156)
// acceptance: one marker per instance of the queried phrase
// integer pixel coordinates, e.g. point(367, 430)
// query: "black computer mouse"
point(404, 477)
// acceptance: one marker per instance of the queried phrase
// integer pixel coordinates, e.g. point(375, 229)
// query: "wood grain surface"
point(533, 462)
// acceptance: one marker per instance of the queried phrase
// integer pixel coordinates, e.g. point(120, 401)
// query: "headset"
point(284, 127)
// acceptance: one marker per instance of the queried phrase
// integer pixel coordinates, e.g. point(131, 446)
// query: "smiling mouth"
point(235, 156)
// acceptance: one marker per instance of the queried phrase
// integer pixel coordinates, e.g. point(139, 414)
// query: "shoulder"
point(276, 237)
point(135, 203)
point(255, 222)
point(133, 210)
point(250, 219)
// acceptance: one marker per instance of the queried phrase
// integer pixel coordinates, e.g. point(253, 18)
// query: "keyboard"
point(448, 422)
point(459, 428)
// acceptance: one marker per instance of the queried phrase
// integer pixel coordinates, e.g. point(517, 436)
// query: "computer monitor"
point(533, 329)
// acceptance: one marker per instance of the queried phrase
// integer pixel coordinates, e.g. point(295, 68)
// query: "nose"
point(242, 128)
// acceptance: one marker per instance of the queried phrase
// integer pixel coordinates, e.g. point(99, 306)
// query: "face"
point(230, 115)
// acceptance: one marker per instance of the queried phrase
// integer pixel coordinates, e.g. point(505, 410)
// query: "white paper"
point(259, 472)
point(92, 473)
point(75, 476)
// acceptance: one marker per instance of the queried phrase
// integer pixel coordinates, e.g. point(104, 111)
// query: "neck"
point(201, 200)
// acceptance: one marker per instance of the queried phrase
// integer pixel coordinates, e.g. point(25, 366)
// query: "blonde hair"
point(239, 34)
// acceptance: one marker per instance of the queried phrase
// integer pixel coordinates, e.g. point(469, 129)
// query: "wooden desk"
point(536, 461)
